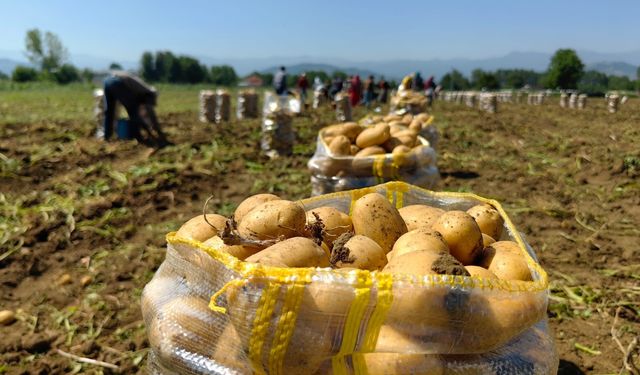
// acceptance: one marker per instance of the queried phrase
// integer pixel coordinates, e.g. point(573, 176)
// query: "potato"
point(406, 119)
point(239, 251)
point(488, 219)
point(422, 117)
point(416, 263)
point(232, 350)
point(252, 202)
point(502, 259)
point(369, 151)
point(373, 136)
point(397, 363)
point(477, 271)
point(335, 222)
point(392, 117)
point(187, 323)
point(462, 235)
point(359, 252)
point(417, 240)
point(273, 219)
point(349, 129)
point(198, 229)
point(415, 125)
point(374, 216)
point(396, 127)
point(293, 252)
point(487, 240)
point(353, 149)
point(400, 150)
point(420, 216)
point(7, 317)
point(340, 146)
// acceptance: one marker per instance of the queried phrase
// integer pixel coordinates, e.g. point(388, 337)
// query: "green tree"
point(517, 78)
point(67, 73)
point(115, 66)
point(454, 80)
point(312, 74)
point(225, 75)
point(3, 76)
point(164, 67)
point(192, 71)
point(593, 83)
point(484, 80)
point(87, 74)
point(565, 70)
point(638, 79)
point(620, 83)
point(47, 53)
point(24, 74)
point(339, 74)
point(148, 67)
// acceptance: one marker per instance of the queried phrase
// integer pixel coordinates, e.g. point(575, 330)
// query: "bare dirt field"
point(82, 222)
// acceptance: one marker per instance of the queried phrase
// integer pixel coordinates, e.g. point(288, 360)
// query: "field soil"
point(82, 222)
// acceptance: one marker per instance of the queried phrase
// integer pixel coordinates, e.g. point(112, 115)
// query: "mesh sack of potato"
point(208, 104)
point(277, 129)
point(343, 107)
point(391, 279)
point(247, 105)
point(408, 101)
point(350, 156)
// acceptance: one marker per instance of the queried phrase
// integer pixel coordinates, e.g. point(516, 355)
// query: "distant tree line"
point(49, 59)
point(565, 71)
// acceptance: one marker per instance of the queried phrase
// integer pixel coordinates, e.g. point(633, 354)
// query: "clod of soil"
point(340, 253)
point(448, 265)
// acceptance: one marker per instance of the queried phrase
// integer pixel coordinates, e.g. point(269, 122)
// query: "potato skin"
point(365, 253)
point(373, 136)
point(502, 259)
point(418, 216)
point(462, 235)
point(239, 251)
point(273, 219)
point(373, 216)
point(417, 240)
point(417, 263)
point(487, 240)
point(340, 146)
point(369, 151)
point(293, 252)
point(488, 219)
point(250, 203)
point(349, 129)
point(198, 229)
point(335, 222)
point(477, 271)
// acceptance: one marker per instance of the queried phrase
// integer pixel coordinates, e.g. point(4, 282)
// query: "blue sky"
point(354, 30)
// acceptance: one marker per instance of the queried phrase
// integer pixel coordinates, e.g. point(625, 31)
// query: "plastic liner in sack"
point(223, 106)
point(247, 105)
point(330, 173)
point(343, 107)
point(277, 130)
point(408, 101)
point(207, 312)
point(98, 112)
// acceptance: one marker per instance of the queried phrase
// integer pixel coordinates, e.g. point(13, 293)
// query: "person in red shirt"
point(355, 90)
point(303, 85)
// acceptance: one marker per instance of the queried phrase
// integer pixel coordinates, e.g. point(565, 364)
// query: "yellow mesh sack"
point(209, 313)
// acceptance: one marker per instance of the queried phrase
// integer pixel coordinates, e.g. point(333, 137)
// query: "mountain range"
point(624, 63)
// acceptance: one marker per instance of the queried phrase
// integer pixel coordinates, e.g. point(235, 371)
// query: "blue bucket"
point(123, 129)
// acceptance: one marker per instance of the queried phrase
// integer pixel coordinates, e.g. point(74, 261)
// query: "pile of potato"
point(416, 239)
point(410, 101)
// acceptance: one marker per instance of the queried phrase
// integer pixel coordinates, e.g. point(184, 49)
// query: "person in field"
point(418, 82)
point(355, 90)
point(336, 86)
point(384, 90)
point(369, 91)
point(139, 99)
point(303, 85)
point(280, 81)
point(430, 89)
